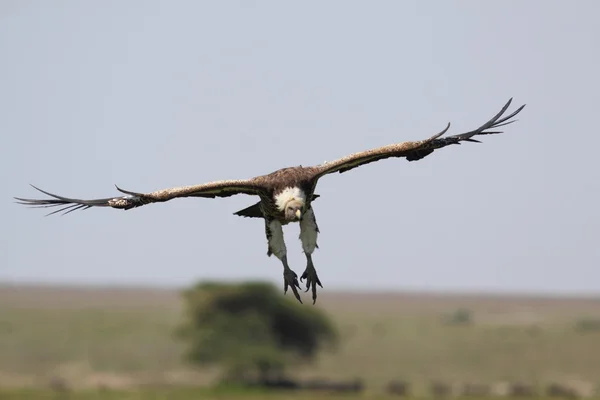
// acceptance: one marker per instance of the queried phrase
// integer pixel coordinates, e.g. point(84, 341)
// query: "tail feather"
point(253, 211)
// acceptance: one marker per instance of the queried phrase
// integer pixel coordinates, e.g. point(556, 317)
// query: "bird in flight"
point(286, 195)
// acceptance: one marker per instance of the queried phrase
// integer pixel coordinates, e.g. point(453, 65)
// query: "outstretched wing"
point(132, 199)
point(413, 151)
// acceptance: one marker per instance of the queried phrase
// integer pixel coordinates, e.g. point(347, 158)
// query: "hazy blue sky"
point(149, 95)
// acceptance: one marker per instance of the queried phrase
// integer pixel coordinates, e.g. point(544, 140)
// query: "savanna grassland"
point(123, 338)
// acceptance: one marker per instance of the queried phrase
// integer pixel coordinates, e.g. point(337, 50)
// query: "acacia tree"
point(251, 329)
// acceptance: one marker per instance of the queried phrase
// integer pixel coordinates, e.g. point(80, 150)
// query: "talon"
point(312, 280)
point(290, 279)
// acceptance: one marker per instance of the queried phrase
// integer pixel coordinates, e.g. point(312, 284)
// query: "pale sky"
point(149, 95)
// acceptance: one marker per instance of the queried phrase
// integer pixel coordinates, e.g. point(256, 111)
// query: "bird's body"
point(286, 195)
point(281, 187)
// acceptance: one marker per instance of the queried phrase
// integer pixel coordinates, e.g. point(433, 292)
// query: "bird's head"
point(293, 210)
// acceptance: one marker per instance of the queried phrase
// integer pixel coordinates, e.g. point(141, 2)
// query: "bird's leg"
point(290, 279)
point(308, 235)
point(277, 246)
point(312, 279)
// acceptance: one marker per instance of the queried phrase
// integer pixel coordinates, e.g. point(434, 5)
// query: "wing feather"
point(415, 150)
point(134, 199)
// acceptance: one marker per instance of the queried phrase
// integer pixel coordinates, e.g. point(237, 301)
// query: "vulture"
point(286, 195)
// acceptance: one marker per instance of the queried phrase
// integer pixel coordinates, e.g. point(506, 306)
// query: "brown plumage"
point(286, 194)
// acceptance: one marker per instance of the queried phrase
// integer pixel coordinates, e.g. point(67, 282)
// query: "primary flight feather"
point(286, 195)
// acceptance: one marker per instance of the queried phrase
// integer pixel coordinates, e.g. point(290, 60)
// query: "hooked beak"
point(298, 214)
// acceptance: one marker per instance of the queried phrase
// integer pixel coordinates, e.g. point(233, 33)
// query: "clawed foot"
point(291, 279)
point(312, 280)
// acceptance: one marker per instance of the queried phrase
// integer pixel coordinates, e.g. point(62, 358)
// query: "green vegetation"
point(251, 329)
point(588, 325)
point(124, 338)
point(174, 394)
point(462, 316)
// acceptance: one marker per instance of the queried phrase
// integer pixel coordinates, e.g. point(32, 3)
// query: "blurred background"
point(471, 272)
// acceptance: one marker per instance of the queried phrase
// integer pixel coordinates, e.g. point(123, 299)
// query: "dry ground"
point(123, 337)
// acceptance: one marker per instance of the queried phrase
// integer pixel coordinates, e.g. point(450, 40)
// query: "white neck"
point(287, 195)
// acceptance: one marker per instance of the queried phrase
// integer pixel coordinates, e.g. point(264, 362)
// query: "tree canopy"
point(251, 329)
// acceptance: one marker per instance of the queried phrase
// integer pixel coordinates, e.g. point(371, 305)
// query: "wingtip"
point(439, 134)
point(127, 192)
point(121, 190)
point(43, 191)
point(518, 109)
